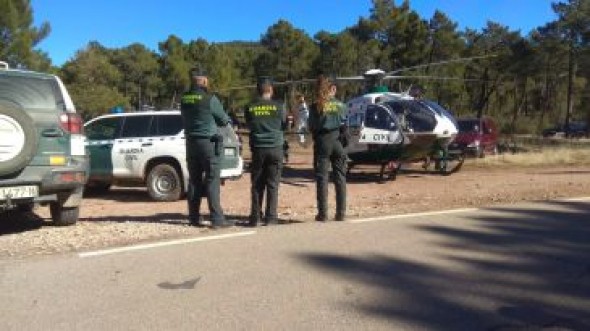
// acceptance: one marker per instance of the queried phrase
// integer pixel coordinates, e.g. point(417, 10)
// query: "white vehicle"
point(148, 148)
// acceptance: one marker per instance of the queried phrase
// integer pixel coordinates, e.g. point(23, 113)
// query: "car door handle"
point(146, 144)
point(52, 133)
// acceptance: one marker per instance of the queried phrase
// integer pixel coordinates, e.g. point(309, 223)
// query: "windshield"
point(469, 126)
point(29, 92)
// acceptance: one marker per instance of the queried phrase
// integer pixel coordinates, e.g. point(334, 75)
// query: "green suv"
point(42, 154)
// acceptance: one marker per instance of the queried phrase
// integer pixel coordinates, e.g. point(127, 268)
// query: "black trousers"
point(204, 170)
point(266, 167)
point(329, 151)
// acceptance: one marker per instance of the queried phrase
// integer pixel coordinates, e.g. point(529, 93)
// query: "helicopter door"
point(379, 127)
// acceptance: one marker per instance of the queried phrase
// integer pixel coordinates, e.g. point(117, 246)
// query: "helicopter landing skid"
point(450, 164)
point(389, 169)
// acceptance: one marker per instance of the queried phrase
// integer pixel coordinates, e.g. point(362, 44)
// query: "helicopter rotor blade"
point(350, 78)
point(462, 59)
point(433, 78)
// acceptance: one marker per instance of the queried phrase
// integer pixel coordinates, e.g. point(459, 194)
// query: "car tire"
point(62, 216)
point(164, 183)
point(14, 118)
point(481, 153)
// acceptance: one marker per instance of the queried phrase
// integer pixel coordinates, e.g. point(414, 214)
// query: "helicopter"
point(391, 129)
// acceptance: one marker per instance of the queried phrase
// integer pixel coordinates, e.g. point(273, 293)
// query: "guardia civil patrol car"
point(148, 149)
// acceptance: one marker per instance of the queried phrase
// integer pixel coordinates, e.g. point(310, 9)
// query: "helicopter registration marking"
point(377, 138)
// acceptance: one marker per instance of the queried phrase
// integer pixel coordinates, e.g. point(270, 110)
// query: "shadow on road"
point(172, 219)
point(12, 222)
point(530, 272)
point(121, 195)
point(161, 218)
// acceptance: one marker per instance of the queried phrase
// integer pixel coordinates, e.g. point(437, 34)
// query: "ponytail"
point(322, 93)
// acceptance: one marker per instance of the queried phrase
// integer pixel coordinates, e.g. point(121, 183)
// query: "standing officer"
point(202, 113)
point(266, 120)
point(327, 125)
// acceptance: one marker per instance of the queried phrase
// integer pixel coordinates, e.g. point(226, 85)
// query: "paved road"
point(518, 267)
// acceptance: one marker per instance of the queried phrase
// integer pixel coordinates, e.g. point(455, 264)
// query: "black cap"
point(198, 71)
point(264, 80)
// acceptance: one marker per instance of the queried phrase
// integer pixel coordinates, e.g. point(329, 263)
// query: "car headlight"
point(474, 144)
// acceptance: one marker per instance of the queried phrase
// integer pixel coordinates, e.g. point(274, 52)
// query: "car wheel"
point(19, 142)
point(164, 183)
point(62, 216)
point(481, 153)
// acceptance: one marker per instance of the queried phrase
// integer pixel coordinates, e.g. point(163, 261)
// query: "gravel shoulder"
point(125, 216)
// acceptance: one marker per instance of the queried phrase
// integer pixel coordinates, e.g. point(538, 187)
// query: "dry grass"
point(544, 157)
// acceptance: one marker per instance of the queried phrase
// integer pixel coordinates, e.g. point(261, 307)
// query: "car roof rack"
point(3, 65)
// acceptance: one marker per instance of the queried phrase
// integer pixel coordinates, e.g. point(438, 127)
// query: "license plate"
point(19, 192)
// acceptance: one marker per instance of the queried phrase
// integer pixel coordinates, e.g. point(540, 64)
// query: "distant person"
point(266, 121)
point(327, 126)
point(302, 118)
point(202, 114)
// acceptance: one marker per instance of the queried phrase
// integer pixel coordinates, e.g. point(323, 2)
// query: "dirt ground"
point(127, 215)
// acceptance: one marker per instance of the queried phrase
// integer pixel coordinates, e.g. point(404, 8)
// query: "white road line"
point(431, 213)
point(163, 244)
point(575, 199)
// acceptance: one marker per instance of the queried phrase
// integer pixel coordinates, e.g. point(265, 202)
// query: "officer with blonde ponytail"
point(327, 124)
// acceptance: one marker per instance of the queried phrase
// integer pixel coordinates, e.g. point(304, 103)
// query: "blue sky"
point(118, 23)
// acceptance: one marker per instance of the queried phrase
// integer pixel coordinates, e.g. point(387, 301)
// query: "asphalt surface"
point(524, 267)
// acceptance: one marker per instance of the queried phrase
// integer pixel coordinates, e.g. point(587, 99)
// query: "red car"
point(477, 136)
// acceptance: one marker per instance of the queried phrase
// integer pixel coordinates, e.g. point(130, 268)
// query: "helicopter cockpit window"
point(378, 117)
point(399, 110)
point(355, 120)
point(420, 117)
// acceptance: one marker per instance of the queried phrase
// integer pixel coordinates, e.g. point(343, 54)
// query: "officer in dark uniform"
point(202, 113)
point(327, 124)
point(266, 121)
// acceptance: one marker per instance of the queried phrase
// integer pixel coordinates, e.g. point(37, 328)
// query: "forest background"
point(530, 82)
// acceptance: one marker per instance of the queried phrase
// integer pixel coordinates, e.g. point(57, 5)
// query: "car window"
point(468, 126)
point(169, 125)
point(136, 126)
point(104, 129)
point(30, 92)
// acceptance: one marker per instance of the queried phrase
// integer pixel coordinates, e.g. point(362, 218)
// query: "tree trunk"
point(571, 72)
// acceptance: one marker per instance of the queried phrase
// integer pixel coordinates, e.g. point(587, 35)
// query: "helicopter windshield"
point(412, 115)
point(440, 110)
